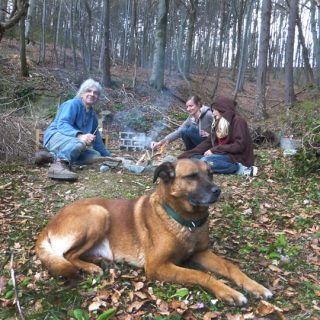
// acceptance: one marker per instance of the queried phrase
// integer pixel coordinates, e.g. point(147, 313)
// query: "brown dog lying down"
point(159, 232)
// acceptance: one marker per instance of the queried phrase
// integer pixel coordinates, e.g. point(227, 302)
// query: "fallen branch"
point(14, 283)
point(5, 186)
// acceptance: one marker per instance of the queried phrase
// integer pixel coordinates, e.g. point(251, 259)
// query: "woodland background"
point(150, 57)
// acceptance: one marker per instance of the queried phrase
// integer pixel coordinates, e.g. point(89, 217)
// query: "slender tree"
point(157, 75)
point(42, 56)
point(220, 48)
point(260, 109)
point(23, 57)
point(289, 83)
point(106, 66)
point(29, 20)
point(305, 52)
point(315, 29)
point(244, 49)
point(190, 36)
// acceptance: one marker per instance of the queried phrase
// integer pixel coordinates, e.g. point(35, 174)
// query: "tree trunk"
point(190, 36)
point(23, 57)
point(72, 35)
point(29, 20)
point(260, 109)
point(106, 68)
point(240, 20)
point(221, 36)
point(57, 34)
point(88, 51)
point(305, 52)
point(289, 85)
point(135, 41)
point(157, 75)
point(42, 56)
point(316, 39)
point(244, 51)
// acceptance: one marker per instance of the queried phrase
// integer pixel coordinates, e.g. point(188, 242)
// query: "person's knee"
point(80, 146)
point(184, 133)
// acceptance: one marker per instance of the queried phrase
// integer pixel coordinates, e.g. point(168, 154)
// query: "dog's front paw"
point(260, 292)
point(231, 296)
point(95, 270)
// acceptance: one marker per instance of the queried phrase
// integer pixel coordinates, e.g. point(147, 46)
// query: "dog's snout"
point(216, 191)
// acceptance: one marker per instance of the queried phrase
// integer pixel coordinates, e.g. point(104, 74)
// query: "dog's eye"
point(192, 176)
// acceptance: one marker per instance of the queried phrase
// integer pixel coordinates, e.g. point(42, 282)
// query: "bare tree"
point(18, 11)
point(190, 36)
point(29, 20)
point(260, 109)
point(315, 25)
point(244, 49)
point(23, 57)
point(42, 56)
point(220, 49)
point(289, 83)
point(106, 52)
point(305, 52)
point(157, 75)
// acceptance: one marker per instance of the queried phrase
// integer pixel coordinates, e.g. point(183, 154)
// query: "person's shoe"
point(43, 157)
point(250, 171)
point(60, 170)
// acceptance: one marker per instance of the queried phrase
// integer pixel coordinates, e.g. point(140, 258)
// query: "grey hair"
point(89, 83)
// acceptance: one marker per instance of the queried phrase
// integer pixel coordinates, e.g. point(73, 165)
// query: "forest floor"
point(268, 224)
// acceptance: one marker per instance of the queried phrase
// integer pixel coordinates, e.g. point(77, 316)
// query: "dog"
point(160, 232)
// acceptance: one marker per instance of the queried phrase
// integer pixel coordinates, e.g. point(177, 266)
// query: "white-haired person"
point(73, 136)
point(195, 129)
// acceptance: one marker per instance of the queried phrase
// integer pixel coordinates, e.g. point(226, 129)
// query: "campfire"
point(137, 142)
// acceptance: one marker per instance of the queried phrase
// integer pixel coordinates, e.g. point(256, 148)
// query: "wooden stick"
point(13, 278)
point(141, 159)
point(5, 186)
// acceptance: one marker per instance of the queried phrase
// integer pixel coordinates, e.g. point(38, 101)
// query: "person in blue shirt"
point(73, 136)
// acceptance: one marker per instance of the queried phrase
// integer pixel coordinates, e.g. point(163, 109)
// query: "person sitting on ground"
point(195, 129)
point(73, 136)
point(229, 148)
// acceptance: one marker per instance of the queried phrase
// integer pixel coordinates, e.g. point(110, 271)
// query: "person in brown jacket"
point(229, 148)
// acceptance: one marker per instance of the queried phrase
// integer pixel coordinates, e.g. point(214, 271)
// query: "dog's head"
point(190, 180)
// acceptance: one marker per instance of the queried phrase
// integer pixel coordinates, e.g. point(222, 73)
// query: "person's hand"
point(87, 138)
point(204, 133)
point(208, 153)
point(155, 145)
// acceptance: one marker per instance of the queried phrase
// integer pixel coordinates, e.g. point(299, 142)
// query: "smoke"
point(145, 123)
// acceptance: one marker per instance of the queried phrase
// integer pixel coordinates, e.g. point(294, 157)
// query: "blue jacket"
point(71, 119)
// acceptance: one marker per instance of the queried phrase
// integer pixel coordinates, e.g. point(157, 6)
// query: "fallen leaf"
point(274, 268)
point(230, 316)
point(135, 306)
point(95, 305)
point(265, 308)
point(138, 285)
point(211, 315)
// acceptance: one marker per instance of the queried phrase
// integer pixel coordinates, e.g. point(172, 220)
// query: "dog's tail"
point(54, 260)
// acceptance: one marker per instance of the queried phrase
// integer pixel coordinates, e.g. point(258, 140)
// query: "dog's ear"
point(166, 171)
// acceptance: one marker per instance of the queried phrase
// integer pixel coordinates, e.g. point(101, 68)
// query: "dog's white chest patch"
point(102, 250)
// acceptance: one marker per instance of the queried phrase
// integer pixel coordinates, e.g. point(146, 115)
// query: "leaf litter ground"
point(269, 225)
